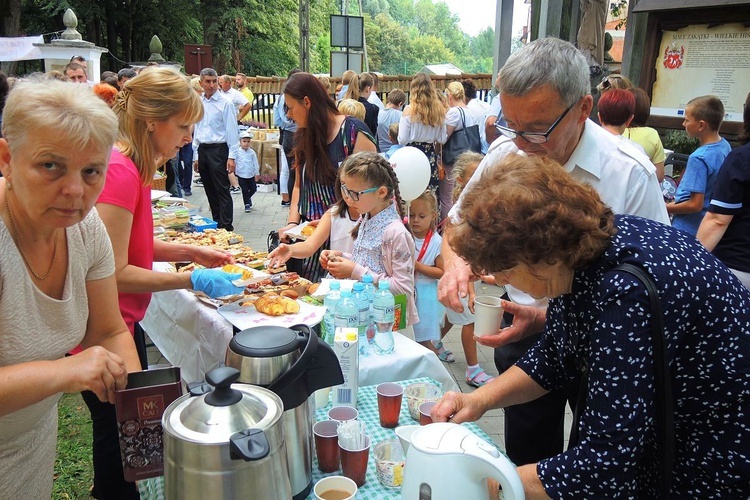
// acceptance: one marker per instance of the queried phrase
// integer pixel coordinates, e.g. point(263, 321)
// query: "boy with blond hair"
point(703, 117)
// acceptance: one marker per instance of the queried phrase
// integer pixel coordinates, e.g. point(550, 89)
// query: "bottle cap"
point(335, 285)
point(358, 286)
point(367, 278)
point(383, 285)
point(346, 293)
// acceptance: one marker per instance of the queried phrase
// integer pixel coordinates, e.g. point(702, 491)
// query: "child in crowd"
point(247, 170)
point(393, 135)
point(383, 246)
point(336, 224)
point(352, 107)
point(703, 117)
point(428, 269)
point(463, 169)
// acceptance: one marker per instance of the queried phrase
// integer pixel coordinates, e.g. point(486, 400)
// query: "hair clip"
point(121, 99)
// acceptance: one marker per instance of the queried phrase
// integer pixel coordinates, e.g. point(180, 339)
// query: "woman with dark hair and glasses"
point(324, 138)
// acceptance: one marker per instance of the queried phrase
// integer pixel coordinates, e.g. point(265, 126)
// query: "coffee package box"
point(139, 409)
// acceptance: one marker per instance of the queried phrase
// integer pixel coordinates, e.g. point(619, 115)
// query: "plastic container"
point(200, 224)
point(330, 301)
point(383, 306)
point(370, 292)
point(363, 307)
point(347, 313)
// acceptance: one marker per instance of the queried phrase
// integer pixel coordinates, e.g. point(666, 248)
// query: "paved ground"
point(268, 215)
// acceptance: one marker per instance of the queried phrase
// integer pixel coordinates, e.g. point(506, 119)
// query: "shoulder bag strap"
point(662, 380)
point(663, 399)
point(463, 118)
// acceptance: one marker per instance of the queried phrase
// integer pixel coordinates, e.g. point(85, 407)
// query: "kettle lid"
point(265, 342)
point(215, 416)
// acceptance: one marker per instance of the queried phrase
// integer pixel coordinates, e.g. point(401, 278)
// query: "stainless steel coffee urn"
point(225, 443)
point(292, 363)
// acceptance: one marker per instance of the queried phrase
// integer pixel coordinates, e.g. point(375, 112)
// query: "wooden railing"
point(267, 88)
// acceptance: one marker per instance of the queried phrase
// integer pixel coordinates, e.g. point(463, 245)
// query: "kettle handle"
point(494, 464)
point(300, 366)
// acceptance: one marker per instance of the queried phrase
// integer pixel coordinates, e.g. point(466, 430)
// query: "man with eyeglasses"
point(546, 101)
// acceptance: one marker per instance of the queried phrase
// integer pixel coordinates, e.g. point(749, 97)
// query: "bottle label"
point(383, 314)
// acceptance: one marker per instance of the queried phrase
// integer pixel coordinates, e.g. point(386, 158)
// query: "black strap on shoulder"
point(663, 399)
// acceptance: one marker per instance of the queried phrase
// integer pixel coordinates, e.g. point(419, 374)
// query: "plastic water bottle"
point(383, 315)
point(330, 302)
point(370, 292)
point(347, 313)
point(363, 320)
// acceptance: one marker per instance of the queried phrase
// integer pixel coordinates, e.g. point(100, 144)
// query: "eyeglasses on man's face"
point(533, 137)
point(354, 195)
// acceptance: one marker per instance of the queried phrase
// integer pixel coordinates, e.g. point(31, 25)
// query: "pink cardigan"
point(399, 256)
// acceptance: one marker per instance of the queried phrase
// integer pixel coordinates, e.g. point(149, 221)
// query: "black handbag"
point(466, 139)
point(663, 399)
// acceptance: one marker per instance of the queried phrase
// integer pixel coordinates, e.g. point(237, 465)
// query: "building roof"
point(442, 69)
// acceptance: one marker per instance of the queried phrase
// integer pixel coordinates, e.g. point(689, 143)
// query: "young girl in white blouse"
point(428, 269)
point(383, 246)
point(336, 224)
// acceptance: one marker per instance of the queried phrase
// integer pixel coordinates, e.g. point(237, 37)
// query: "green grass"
point(74, 471)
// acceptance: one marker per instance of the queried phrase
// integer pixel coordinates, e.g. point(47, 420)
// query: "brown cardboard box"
point(139, 409)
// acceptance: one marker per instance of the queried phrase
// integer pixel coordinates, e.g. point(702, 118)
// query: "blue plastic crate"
point(200, 224)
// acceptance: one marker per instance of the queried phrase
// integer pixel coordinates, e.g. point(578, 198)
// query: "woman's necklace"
point(15, 239)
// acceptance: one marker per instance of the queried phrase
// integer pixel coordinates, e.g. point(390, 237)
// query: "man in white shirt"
point(546, 101)
point(215, 144)
point(476, 108)
point(373, 97)
point(237, 98)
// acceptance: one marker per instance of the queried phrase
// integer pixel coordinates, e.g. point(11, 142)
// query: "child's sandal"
point(477, 378)
point(445, 355)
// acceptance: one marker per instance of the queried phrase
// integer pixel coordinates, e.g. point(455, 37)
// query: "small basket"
point(160, 181)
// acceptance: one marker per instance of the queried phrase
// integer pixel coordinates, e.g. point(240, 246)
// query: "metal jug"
point(292, 363)
point(225, 442)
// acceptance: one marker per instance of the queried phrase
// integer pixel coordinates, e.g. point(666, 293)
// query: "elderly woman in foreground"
point(532, 226)
point(57, 283)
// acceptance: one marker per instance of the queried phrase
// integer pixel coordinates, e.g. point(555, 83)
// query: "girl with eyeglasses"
point(383, 246)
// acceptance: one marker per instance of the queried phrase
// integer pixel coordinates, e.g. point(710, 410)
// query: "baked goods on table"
point(272, 304)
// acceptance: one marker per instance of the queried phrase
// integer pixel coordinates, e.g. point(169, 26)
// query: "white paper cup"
point(488, 314)
point(340, 483)
point(321, 397)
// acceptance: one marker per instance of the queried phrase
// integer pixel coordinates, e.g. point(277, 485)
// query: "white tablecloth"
point(193, 336)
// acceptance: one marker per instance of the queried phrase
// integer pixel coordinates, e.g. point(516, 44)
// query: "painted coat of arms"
point(673, 57)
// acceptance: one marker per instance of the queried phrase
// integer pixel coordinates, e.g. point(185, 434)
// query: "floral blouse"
point(384, 248)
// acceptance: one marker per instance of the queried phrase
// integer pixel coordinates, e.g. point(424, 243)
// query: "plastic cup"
point(343, 413)
point(424, 412)
point(389, 463)
point(488, 314)
point(327, 445)
point(389, 403)
point(335, 487)
point(321, 397)
point(354, 462)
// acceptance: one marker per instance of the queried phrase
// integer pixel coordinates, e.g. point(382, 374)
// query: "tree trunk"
point(10, 11)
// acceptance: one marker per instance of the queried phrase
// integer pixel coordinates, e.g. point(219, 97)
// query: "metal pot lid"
point(265, 342)
point(204, 420)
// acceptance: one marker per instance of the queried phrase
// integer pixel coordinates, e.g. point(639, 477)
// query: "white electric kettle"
point(445, 461)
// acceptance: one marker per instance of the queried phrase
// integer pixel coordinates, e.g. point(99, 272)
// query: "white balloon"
point(413, 171)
